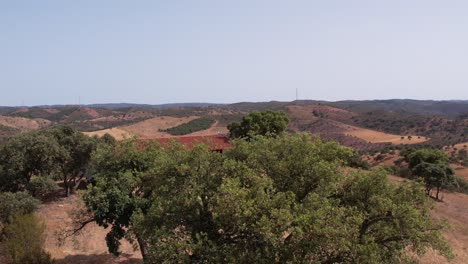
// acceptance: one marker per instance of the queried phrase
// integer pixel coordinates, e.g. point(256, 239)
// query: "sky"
point(219, 51)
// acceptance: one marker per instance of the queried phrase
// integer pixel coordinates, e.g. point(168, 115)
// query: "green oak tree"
point(432, 165)
point(266, 123)
point(268, 200)
point(25, 156)
point(72, 166)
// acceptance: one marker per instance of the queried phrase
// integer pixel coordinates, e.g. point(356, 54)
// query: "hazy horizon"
point(155, 52)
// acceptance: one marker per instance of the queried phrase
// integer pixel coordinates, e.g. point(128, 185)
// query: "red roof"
point(215, 142)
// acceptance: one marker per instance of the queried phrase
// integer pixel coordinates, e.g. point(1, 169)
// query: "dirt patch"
point(117, 133)
point(381, 137)
point(87, 247)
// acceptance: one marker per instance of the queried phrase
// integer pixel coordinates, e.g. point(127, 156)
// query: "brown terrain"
point(381, 137)
point(116, 132)
point(89, 246)
point(454, 209)
point(150, 128)
point(24, 124)
point(215, 129)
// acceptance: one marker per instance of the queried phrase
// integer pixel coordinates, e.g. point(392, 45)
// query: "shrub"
point(190, 127)
point(23, 240)
point(405, 172)
point(356, 161)
point(464, 163)
point(16, 203)
point(40, 187)
point(459, 185)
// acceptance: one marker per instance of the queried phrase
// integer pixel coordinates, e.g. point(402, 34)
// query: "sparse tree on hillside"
point(435, 176)
point(267, 123)
point(433, 167)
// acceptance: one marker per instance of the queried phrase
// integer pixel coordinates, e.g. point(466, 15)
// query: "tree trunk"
point(437, 194)
point(142, 246)
point(66, 185)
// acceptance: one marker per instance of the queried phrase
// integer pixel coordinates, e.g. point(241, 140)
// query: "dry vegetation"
point(454, 208)
point(151, 128)
point(381, 137)
point(116, 132)
point(24, 124)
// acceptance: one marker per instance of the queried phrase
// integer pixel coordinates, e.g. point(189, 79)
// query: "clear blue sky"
point(53, 52)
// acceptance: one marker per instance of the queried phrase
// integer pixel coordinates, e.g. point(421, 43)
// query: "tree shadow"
point(99, 259)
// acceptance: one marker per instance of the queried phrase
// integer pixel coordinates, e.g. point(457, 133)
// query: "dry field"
point(117, 133)
point(24, 124)
point(454, 208)
point(87, 247)
point(381, 137)
point(150, 128)
point(307, 112)
point(215, 129)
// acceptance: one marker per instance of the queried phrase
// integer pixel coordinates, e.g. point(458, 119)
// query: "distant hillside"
point(443, 122)
point(440, 108)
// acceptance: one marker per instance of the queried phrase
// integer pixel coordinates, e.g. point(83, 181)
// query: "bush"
point(393, 170)
point(24, 239)
point(40, 187)
point(16, 203)
point(459, 185)
point(356, 161)
point(190, 127)
point(405, 172)
point(464, 163)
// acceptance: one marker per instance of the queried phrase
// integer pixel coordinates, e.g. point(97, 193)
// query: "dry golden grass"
point(117, 133)
point(381, 137)
point(454, 208)
point(24, 124)
point(150, 128)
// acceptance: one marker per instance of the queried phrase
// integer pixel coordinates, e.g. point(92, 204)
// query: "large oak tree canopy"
point(267, 200)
